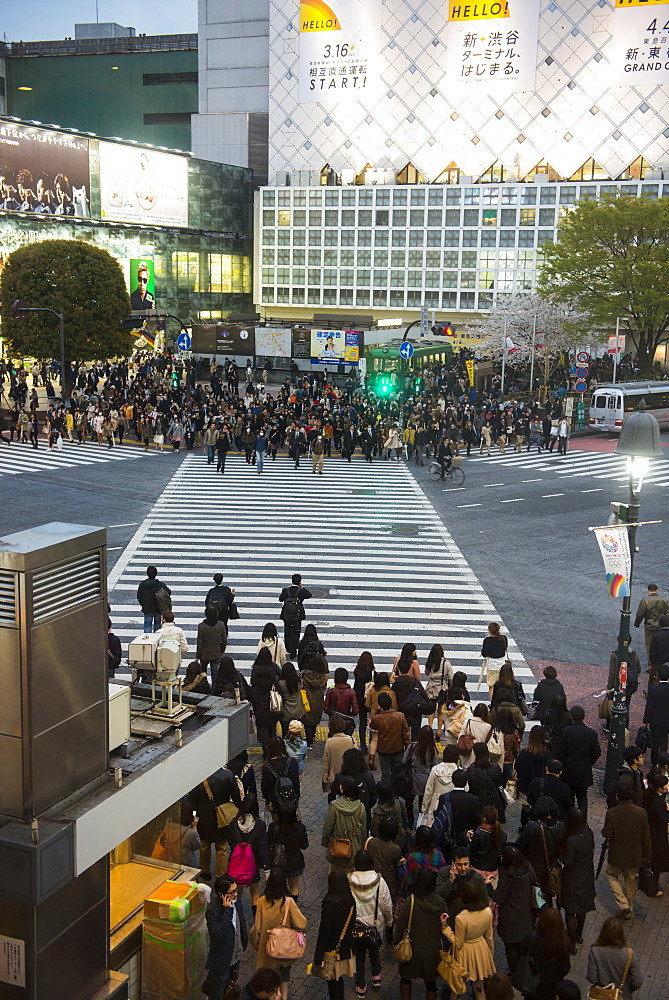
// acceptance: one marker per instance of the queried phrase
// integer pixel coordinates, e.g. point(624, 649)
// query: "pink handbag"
point(283, 943)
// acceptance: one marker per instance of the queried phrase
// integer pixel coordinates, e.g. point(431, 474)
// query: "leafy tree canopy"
point(612, 260)
point(84, 283)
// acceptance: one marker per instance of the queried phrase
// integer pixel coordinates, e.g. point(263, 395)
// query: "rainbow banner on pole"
point(615, 549)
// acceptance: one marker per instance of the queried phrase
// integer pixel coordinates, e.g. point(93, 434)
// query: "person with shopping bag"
point(333, 955)
point(276, 912)
point(417, 935)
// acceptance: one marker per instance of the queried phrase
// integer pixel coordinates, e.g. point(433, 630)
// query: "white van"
point(611, 403)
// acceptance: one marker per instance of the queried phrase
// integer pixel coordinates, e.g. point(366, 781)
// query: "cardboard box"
point(157, 905)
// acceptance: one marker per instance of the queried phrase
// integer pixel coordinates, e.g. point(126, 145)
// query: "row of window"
point(223, 273)
point(378, 297)
point(348, 278)
point(403, 237)
point(401, 218)
point(402, 258)
point(543, 194)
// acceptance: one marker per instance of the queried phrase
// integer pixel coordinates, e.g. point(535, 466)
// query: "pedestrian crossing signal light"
point(383, 386)
point(175, 380)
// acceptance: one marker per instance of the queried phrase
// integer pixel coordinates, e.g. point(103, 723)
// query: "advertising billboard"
point(340, 50)
point(141, 284)
point(335, 347)
point(492, 46)
point(43, 172)
point(273, 342)
point(231, 340)
point(638, 51)
point(302, 344)
point(143, 185)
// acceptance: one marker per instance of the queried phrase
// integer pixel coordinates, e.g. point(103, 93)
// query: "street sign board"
point(406, 350)
point(572, 369)
point(619, 347)
point(569, 406)
point(582, 372)
point(184, 341)
point(622, 676)
point(581, 386)
point(582, 358)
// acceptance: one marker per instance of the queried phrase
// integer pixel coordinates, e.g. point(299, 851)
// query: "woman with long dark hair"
point(423, 756)
point(274, 643)
point(248, 828)
point(494, 652)
point(472, 938)
point(229, 679)
point(611, 960)
point(381, 685)
point(407, 657)
point(363, 675)
point(506, 726)
point(353, 763)
point(439, 673)
point(514, 898)
point(479, 727)
point(550, 950)
point(278, 765)
point(314, 679)
point(310, 645)
point(655, 804)
point(291, 697)
point(507, 682)
point(335, 932)
point(486, 845)
point(577, 893)
point(287, 839)
point(263, 679)
point(275, 908)
point(485, 779)
point(530, 764)
point(425, 907)
point(424, 854)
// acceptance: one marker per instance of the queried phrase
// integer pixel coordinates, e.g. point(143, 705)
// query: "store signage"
point(492, 46)
point(340, 51)
point(638, 53)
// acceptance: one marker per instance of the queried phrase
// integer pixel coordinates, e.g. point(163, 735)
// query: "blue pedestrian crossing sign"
point(406, 350)
point(184, 341)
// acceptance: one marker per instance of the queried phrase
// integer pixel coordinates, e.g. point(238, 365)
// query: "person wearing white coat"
point(440, 780)
point(392, 442)
point(373, 912)
point(274, 643)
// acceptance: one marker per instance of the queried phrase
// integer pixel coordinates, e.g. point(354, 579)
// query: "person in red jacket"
point(341, 698)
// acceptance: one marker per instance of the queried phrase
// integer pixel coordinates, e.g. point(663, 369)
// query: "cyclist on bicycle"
point(445, 456)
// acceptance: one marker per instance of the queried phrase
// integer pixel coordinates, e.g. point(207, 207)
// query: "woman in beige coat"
point(336, 746)
point(273, 907)
point(274, 643)
point(472, 940)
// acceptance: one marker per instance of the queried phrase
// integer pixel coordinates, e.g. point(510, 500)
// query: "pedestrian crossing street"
point(575, 464)
point(383, 568)
point(20, 458)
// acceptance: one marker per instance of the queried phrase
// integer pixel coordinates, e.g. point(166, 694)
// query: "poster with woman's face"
point(327, 347)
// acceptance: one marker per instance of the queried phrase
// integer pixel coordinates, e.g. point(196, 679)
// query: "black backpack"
point(284, 790)
point(292, 606)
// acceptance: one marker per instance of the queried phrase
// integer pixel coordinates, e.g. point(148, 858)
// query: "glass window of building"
point(490, 195)
point(364, 258)
point(379, 298)
point(650, 191)
point(299, 258)
point(381, 258)
point(315, 258)
point(331, 218)
point(364, 237)
point(365, 196)
point(268, 199)
point(487, 258)
point(507, 238)
point(431, 300)
point(299, 199)
point(506, 258)
point(486, 300)
point(418, 196)
point(528, 216)
point(467, 300)
point(329, 297)
point(432, 258)
point(433, 238)
point(283, 296)
point(315, 198)
point(415, 258)
point(468, 279)
point(315, 237)
point(432, 279)
point(567, 194)
point(546, 236)
point(267, 257)
point(346, 297)
point(451, 258)
point(526, 258)
point(528, 196)
point(414, 300)
point(347, 258)
point(283, 275)
point(451, 238)
point(472, 196)
point(469, 258)
point(505, 281)
point(452, 217)
point(547, 195)
point(588, 193)
point(268, 217)
point(399, 219)
point(486, 279)
point(449, 300)
point(346, 277)
point(435, 196)
point(268, 295)
point(524, 281)
point(397, 279)
point(546, 216)
point(268, 275)
point(398, 258)
point(382, 217)
point(298, 276)
point(380, 238)
point(363, 278)
point(284, 199)
point(508, 217)
point(399, 237)
point(416, 217)
point(450, 279)
point(382, 196)
point(453, 196)
point(284, 217)
point(348, 197)
point(489, 217)
point(299, 218)
point(399, 197)
point(526, 238)
point(380, 279)
point(416, 238)
point(362, 298)
point(284, 238)
point(283, 256)
point(489, 238)
point(347, 217)
point(298, 296)
point(434, 217)
point(415, 279)
point(331, 198)
point(509, 195)
point(314, 296)
point(470, 237)
point(329, 276)
point(470, 217)
point(397, 299)
point(330, 257)
point(348, 237)
point(364, 217)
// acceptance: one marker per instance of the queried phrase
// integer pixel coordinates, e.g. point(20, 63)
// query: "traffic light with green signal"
point(383, 385)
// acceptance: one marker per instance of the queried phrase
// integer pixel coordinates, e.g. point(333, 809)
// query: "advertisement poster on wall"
point(231, 340)
point(340, 50)
point(43, 172)
point(335, 347)
point(143, 185)
point(142, 284)
point(638, 52)
point(301, 344)
point(492, 46)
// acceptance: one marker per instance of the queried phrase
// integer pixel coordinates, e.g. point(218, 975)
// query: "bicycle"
point(455, 474)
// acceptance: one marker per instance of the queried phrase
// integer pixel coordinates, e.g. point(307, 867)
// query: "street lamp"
point(639, 442)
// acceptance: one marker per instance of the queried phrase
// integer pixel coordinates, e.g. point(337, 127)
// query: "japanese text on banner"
point(615, 549)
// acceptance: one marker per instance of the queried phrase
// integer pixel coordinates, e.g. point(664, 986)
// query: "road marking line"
point(453, 489)
point(488, 485)
point(113, 548)
point(545, 496)
point(516, 500)
point(530, 480)
point(130, 524)
point(461, 505)
point(599, 489)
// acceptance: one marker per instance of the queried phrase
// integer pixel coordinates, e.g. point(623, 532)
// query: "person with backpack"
point(354, 763)
point(216, 801)
point(222, 597)
point(280, 779)
point(247, 841)
point(344, 829)
point(439, 781)
point(287, 839)
point(412, 701)
point(373, 913)
point(292, 612)
point(154, 597)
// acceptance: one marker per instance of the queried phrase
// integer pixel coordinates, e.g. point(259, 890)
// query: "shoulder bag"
point(225, 812)
point(494, 743)
point(611, 992)
point(466, 739)
point(554, 873)
point(526, 976)
point(328, 967)
point(342, 847)
point(454, 975)
point(403, 952)
point(369, 932)
point(283, 944)
point(277, 852)
point(275, 702)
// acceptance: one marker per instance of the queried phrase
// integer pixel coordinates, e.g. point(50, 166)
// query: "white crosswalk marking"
point(17, 458)
point(365, 538)
point(591, 464)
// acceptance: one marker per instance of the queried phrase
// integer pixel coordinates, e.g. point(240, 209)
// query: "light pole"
point(20, 308)
point(639, 442)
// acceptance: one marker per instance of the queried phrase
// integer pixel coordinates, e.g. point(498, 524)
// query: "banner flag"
point(615, 548)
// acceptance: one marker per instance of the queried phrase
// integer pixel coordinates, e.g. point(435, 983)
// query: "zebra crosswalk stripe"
point(366, 539)
point(22, 458)
point(597, 465)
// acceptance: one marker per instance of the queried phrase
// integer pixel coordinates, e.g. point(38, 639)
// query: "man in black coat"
point(465, 806)
point(552, 784)
point(578, 749)
point(146, 596)
point(220, 597)
point(548, 688)
point(656, 714)
point(219, 789)
point(228, 937)
point(452, 877)
point(292, 613)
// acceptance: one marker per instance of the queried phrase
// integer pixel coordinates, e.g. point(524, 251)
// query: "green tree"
point(612, 260)
point(84, 283)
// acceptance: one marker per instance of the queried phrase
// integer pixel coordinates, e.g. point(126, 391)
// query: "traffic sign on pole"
point(184, 341)
point(582, 357)
point(406, 350)
point(581, 386)
point(582, 372)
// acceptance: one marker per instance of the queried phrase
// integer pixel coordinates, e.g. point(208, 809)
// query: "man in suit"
point(227, 935)
point(578, 748)
point(553, 785)
point(656, 714)
point(292, 612)
point(465, 806)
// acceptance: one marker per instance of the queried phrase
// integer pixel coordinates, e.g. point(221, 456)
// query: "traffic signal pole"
point(20, 308)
